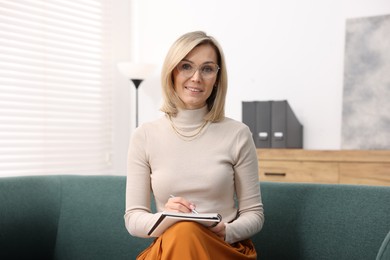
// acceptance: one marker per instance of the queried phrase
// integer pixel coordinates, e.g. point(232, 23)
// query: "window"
point(55, 87)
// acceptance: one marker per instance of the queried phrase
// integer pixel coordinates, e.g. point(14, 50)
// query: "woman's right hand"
point(179, 204)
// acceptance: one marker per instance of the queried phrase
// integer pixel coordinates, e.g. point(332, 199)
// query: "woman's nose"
point(196, 76)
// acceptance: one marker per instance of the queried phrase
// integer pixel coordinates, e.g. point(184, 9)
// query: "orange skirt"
point(190, 240)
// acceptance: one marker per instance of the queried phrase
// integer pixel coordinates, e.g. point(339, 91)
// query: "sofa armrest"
point(384, 250)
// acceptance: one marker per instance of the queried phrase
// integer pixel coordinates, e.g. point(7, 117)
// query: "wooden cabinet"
point(370, 167)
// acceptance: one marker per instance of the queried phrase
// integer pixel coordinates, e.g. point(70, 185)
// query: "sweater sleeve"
point(250, 217)
point(138, 216)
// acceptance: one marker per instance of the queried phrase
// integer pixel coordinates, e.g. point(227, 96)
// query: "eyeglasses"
point(207, 70)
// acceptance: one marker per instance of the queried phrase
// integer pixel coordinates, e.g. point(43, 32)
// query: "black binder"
point(257, 115)
point(273, 124)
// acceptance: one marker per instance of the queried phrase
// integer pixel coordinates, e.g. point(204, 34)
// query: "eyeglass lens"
point(207, 70)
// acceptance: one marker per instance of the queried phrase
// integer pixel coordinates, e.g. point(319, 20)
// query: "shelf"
point(370, 167)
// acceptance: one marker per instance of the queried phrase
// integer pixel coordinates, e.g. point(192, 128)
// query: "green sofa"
point(81, 217)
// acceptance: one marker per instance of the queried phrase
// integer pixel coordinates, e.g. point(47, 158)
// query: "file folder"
point(257, 115)
point(273, 124)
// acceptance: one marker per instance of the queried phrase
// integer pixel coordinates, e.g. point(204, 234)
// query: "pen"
point(193, 210)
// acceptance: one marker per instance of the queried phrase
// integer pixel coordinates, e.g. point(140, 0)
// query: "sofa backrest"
point(29, 213)
point(65, 217)
point(91, 224)
point(81, 217)
point(315, 221)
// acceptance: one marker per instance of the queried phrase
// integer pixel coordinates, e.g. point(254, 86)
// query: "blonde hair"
point(178, 51)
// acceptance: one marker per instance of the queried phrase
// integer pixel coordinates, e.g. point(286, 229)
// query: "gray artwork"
point(366, 97)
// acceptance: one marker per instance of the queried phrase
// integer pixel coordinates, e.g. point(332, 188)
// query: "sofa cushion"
point(384, 250)
point(320, 221)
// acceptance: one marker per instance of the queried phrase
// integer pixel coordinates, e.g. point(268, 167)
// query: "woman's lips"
point(192, 89)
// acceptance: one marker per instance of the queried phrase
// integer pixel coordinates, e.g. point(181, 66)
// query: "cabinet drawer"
point(298, 171)
point(365, 173)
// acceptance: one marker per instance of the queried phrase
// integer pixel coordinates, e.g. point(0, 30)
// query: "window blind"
point(55, 87)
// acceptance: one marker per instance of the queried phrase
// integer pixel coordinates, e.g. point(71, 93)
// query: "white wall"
point(275, 50)
point(121, 40)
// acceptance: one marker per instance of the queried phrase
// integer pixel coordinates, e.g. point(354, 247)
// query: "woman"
point(206, 160)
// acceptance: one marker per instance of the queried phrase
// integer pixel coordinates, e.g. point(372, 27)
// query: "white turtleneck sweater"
point(209, 171)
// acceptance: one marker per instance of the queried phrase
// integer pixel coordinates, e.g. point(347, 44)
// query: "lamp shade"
point(133, 70)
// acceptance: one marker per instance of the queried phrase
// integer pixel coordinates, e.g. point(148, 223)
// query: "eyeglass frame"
point(197, 69)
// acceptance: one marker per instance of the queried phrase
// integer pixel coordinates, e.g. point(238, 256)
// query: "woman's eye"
point(207, 69)
point(186, 66)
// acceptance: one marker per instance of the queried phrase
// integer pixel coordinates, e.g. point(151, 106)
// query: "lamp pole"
point(136, 73)
point(136, 83)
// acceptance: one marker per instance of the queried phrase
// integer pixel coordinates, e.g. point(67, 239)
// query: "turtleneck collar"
point(189, 119)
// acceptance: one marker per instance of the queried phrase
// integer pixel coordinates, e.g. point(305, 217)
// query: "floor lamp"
point(136, 73)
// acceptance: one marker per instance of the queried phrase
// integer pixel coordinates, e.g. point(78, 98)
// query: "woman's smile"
point(193, 89)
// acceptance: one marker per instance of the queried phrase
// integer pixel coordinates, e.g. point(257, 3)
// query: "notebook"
point(167, 219)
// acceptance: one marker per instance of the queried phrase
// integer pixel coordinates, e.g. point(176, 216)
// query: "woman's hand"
point(179, 204)
point(220, 230)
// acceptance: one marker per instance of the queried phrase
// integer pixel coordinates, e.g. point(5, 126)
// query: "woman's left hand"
point(220, 230)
